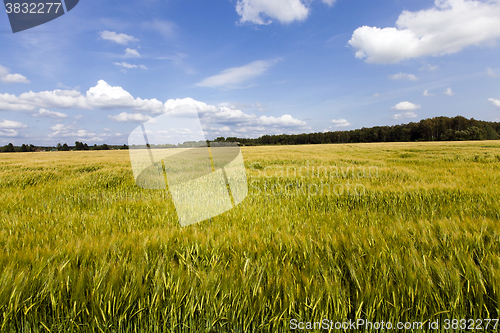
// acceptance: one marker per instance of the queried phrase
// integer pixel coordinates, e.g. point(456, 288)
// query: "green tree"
point(8, 148)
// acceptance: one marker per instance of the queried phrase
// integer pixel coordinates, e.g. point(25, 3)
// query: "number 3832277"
point(33, 8)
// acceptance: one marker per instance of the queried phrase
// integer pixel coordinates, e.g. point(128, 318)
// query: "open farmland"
point(383, 232)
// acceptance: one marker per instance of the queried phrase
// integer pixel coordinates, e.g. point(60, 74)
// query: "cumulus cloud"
point(403, 76)
point(5, 124)
point(105, 96)
point(188, 107)
point(65, 131)
point(285, 11)
point(495, 101)
point(7, 77)
point(130, 117)
point(56, 98)
point(404, 106)
point(404, 115)
point(448, 27)
point(132, 53)
point(427, 93)
point(262, 11)
point(44, 99)
point(231, 76)
point(285, 120)
point(102, 96)
point(8, 128)
point(117, 38)
point(223, 120)
point(8, 133)
point(49, 114)
point(449, 92)
point(12, 103)
point(341, 122)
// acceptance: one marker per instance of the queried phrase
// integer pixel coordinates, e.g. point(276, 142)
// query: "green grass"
point(83, 249)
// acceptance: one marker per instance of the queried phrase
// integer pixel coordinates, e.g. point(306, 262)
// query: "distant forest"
point(433, 129)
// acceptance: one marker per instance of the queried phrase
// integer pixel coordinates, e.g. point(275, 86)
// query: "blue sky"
point(249, 67)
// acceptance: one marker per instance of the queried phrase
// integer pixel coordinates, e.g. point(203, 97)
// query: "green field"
point(382, 232)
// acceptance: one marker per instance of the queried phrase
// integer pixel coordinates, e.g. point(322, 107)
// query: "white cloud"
point(49, 114)
point(285, 120)
point(229, 77)
point(8, 133)
point(448, 27)
point(130, 117)
point(69, 131)
point(405, 115)
point(117, 38)
point(285, 11)
point(376, 95)
point(56, 98)
point(405, 106)
point(104, 96)
point(341, 122)
point(132, 53)
point(44, 99)
point(129, 66)
point(7, 77)
point(58, 127)
point(188, 107)
point(427, 93)
point(491, 72)
point(8, 128)
point(225, 115)
point(11, 124)
point(12, 103)
point(495, 101)
point(448, 92)
point(403, 76)
point(216, 118)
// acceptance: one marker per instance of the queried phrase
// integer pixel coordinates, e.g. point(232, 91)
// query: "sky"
point(247, 67)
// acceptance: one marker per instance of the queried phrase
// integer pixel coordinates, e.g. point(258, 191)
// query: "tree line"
point(433, 129)
point(10, 148)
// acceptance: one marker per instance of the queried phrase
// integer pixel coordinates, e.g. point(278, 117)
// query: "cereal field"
point(382, 232)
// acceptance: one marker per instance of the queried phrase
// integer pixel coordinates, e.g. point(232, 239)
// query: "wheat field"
point(392, 232)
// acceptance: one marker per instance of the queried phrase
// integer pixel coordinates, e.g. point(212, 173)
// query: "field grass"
point(382, 232)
